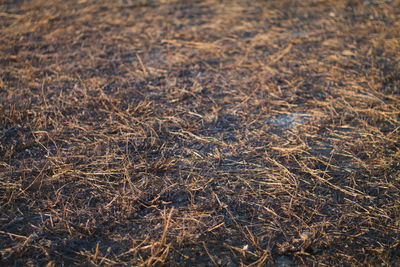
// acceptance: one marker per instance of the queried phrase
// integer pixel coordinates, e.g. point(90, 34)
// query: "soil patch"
point(199, 133)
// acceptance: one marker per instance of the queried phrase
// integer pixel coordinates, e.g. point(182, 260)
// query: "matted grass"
point(202, 133)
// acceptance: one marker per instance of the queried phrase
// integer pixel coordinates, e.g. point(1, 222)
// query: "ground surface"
point(200, 133)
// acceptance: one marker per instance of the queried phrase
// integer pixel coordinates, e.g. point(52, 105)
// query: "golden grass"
point(199, 133)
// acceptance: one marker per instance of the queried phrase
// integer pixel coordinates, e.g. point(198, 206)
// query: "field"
point(200, 133)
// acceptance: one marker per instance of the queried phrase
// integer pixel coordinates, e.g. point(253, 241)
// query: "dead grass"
point(201, 133)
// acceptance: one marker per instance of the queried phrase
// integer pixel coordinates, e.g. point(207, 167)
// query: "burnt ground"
point(200, 133)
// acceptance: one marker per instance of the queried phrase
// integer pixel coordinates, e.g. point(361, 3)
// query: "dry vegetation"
point(200, 133)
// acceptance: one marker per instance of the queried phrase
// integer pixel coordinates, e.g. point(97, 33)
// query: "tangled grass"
point(199, 133)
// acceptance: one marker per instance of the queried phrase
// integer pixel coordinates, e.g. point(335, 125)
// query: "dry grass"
point(200, 133)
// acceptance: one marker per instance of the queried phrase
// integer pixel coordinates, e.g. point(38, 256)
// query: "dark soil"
point(200, 133)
